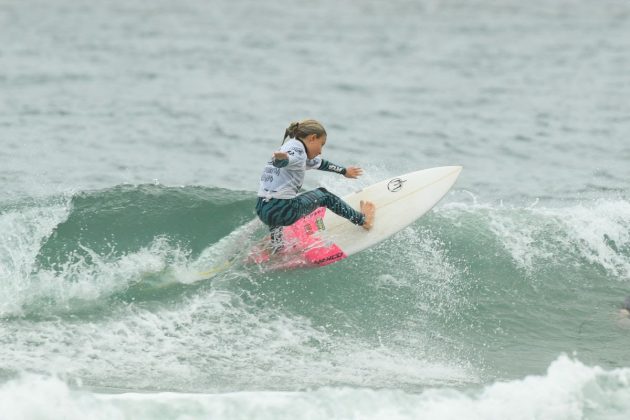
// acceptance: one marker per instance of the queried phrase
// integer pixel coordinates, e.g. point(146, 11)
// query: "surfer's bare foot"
point(368, 209)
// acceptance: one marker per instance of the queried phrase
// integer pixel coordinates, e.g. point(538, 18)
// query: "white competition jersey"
point(285, 182)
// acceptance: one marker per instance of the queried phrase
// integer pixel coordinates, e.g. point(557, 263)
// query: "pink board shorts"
point(302, 245)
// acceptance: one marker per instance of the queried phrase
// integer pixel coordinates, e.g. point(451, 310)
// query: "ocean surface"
point(132, 138)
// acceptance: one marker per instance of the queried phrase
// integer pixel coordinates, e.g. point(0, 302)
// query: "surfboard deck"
point(322, 237)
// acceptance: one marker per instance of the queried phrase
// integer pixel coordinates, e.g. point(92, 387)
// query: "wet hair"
point(304, 128)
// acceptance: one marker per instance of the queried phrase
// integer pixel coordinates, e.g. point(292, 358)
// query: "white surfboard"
point(323, 237)
point(399, 201)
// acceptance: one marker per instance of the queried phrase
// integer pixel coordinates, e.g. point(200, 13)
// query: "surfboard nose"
point(449, 171)
point(456, 170)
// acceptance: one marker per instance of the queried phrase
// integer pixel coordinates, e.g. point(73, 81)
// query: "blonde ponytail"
point(304, 128)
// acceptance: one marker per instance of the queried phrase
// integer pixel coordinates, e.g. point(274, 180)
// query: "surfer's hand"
point(280, 155)
point(353, 172)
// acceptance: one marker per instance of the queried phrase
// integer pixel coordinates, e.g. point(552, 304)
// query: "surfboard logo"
point(396, 184)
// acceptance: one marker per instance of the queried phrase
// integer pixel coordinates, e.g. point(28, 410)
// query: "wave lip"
point(24, 228)
point(580, 235)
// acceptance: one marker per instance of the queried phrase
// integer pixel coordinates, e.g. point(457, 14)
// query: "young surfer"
point(279, 202)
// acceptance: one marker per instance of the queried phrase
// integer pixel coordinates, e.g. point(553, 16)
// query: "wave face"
point(125, 219)
point(103, 287)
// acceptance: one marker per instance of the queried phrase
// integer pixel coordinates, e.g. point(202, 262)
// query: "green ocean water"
point(132, 138)
point(473, 287)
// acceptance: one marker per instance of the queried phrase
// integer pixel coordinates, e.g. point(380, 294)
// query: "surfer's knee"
point(326, 198)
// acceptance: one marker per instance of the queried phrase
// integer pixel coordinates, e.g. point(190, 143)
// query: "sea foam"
point(568, 390)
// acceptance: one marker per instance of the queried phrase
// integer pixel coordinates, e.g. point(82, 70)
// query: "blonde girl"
point(279, 200)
